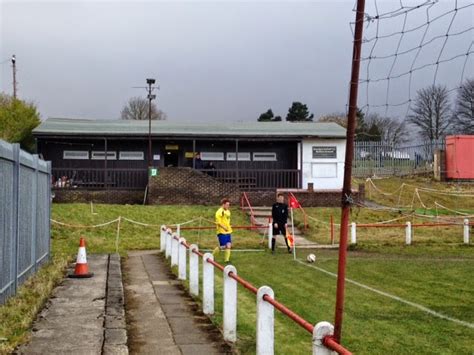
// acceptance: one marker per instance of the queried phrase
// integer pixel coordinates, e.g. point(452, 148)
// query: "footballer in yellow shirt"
point(223, 230)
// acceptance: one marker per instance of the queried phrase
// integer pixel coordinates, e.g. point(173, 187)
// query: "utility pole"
point(14, 75)
point(150, 82)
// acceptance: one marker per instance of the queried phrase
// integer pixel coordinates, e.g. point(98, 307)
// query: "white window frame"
point(212, 156)
point(67, 155)
point(265, 156)
point(243, 156)
point(138, 155)
point(111, 155)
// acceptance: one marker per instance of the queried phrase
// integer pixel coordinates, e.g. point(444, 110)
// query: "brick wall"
point(187, 186)
point(120, 197)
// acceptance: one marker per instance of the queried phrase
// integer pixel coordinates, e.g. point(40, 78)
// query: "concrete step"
point(259, 208)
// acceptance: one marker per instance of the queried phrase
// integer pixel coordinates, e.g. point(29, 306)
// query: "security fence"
point(384, 159)
point(25, 212)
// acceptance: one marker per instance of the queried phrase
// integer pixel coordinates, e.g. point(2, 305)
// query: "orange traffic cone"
point(81, 270)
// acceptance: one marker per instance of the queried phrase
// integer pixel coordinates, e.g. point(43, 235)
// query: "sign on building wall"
point(324, 152)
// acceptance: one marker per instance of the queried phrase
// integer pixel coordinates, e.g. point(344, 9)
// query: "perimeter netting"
point(411, 45)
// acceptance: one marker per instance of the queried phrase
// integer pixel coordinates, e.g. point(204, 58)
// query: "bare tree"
point(463, 118)
point(137, 109)
point(431, 113)
point(339, 118)
point(391, 130)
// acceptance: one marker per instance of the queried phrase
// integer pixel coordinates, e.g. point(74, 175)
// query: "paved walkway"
point(161, 317)
point(72, 320)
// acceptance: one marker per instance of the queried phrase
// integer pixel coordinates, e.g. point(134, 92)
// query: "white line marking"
point(399, 299)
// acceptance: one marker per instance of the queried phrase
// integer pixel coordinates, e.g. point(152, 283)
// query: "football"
point(311, 258)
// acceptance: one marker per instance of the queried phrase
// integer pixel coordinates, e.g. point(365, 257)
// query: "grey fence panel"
point(383, 159)
point(25, 212)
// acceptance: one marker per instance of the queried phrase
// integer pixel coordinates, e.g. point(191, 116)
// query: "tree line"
point(431, 113)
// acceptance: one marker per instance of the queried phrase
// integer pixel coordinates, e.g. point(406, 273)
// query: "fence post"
point(15, 216)
point(353, 233)
point(168, 243)
point(408, 234)
point(466, 231)
point(34, 206)
point(265, 322)
point(230, 305)
point(162, 238)
point(270, 235)
point(182, 259)
point(321, 330)
point(193, 270)
point(174, 249)
point(207, 284)
point(50, 202)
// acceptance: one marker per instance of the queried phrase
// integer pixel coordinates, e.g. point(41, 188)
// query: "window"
point(96, 155)
point(242, 156)
point(264, 156)
point(212, 156)
point(324, 170)
point(131, 156)
point(76, 154)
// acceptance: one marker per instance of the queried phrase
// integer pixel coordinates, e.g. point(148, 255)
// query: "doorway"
point(171, 158)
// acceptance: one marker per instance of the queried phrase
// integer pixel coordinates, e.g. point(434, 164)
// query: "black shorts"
point(279, 230)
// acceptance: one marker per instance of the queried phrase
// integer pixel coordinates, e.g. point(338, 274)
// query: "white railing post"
point(270, 235)
point(207, 284)
point(162, 238)
point(182, 259)
point(230, 305)
point(408, 234)
point(193, 270)
point(265, 322)
point(168, 243)
point(174, 249)
point(353, 233)
point(321, 330)
point(466, 231)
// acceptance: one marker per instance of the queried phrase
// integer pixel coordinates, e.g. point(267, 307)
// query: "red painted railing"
point(328, 341)
point(244, 202)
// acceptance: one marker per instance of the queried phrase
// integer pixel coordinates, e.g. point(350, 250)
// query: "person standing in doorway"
point(280, 220)
point(224, 230)
point(198, 163)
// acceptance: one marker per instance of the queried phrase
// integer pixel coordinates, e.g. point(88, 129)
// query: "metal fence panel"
point(25, 211)
point(384, 159)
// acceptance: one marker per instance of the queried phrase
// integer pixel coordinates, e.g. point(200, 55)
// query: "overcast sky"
point(212, 60)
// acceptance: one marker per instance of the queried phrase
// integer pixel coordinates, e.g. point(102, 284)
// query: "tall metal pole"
point(347, 190)
point(149, 124)
point(14, 75)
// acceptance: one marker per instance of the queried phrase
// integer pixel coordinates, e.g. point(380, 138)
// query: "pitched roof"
point(74, 127)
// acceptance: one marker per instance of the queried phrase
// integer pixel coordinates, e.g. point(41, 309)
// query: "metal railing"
point(245, 203)
point(85, 178)
point(257, 179)
point(25, 212)
point(382, 159)
point(175, 248)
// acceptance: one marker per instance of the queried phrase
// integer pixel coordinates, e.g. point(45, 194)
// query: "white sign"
point(156, 157)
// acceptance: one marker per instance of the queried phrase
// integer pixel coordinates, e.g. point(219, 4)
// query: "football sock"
point(227, 255)
point(273, 244)
point(216, 251)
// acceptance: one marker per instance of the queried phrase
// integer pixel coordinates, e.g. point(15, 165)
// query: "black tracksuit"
point(280, 217)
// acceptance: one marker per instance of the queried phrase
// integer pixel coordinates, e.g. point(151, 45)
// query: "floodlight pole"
point(346, 198)
point(150, 82)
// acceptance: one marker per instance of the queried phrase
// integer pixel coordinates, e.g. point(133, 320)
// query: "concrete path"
point(161, 317)
point(81, 317)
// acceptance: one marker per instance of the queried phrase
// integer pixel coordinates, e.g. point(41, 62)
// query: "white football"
point(311, 258)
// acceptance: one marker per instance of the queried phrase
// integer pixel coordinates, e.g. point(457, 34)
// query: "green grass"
point(372, 323)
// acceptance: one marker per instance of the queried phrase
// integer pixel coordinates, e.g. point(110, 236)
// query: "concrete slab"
point(161, 317)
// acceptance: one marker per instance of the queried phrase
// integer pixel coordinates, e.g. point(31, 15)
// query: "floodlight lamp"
point(150, 81)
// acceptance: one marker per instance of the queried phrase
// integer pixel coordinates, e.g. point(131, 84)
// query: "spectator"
point(198, 163)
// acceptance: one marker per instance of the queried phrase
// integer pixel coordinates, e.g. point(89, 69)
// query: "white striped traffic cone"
point(81, 270)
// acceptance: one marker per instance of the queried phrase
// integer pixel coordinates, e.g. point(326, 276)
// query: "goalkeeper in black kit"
point(279, 221)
